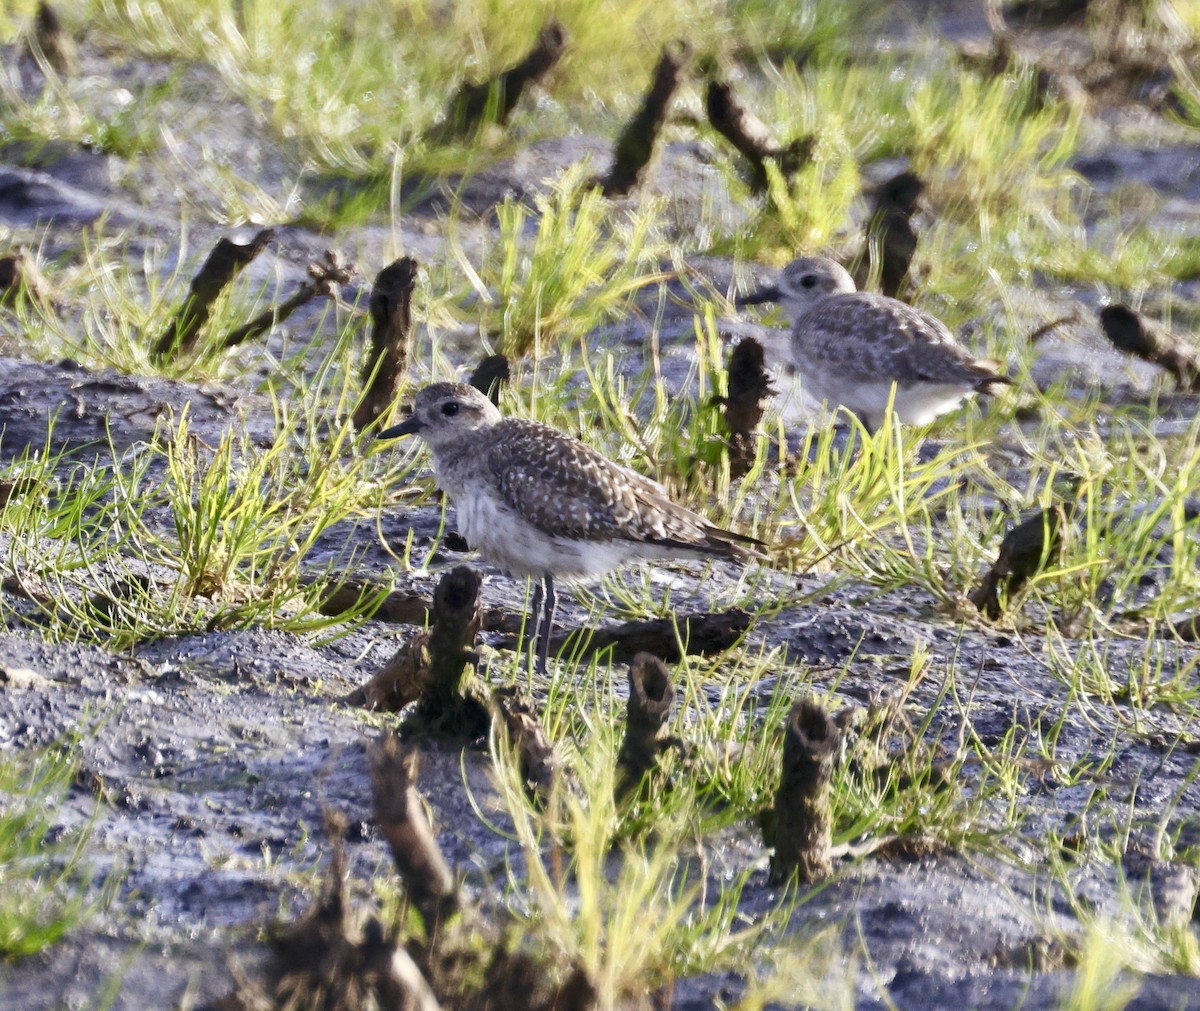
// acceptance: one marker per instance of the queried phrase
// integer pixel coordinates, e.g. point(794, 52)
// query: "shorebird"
point(853, 347)
point(538, 503)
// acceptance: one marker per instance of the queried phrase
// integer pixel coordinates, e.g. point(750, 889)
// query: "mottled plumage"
point(539, 503)
point(851, 347)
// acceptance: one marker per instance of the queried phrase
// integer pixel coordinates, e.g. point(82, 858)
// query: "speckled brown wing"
point(867, 336)
point(566, 488)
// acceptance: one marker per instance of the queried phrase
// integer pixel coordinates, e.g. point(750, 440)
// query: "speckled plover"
point(538, 503)
point(851, 347)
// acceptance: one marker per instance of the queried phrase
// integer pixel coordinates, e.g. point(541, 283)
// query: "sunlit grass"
point(1128, 936)
point(177, 535)
point(349, 83)
point(125, 126)
point(43, 895)
point(184, 534)
point(123, 305)
point(985, 141)
point(587, 882)
point(582, 267)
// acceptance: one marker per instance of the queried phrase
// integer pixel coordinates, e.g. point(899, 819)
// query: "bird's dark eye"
point(808, 281)
point(450, 409)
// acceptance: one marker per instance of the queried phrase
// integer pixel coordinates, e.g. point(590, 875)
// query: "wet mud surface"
point(209, 758)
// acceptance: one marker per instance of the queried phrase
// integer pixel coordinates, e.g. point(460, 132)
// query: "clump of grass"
point(586, 882)
point(44, 894)
point(823, 27)
point(65, 109)
point(14, 16)
point(346, 87)
point(1131, 527)
point(873, 504)
point(122, 304)
point(1121, 938)
point(592, 863)
point(807, 212)
point(812, 971)
point(177, 536)
point(580, 269)
point(986, 140)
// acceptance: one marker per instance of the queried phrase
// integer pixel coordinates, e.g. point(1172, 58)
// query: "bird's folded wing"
point(565, 487)
point(872, 337)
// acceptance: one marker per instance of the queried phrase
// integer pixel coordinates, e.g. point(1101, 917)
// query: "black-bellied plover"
point(852, 347)
point(538, 503)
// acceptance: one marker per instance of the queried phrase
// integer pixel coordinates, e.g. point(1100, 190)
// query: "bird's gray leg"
point(536, 608)
point(545, 623)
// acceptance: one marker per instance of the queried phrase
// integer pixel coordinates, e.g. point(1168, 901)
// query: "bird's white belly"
point(915, 404)
point(920, 404)
point(512, 543)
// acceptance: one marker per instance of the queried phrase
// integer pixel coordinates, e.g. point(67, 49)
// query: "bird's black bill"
point(410, 426)
point(770, 294)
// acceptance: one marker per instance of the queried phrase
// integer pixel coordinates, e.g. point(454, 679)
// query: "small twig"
point(224, 263)
point(1134, 334)
point(490, 376)
point(635, 146)
point(539, 763)
point(751, 137)
point(1054, 324)
point(326, 278)
point(401, 819)
point(492, 102)
point(703, 634)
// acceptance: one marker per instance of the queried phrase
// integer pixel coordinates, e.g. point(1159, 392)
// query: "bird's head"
point(802, 283)
point(445, 412)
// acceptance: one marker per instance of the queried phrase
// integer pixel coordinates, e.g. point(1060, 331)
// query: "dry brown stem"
point(492, 102)
point(646, 713)
point(325, 280)
point(400, 815)
point(635, 145)
point(751, 137)
point(702, 634)
point(538, 761)
point(391, 335)
point(224, 263)
point(803, 823)
point(749, 389)
point(20, 278)
point(490, 376)
point(1134, 334)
